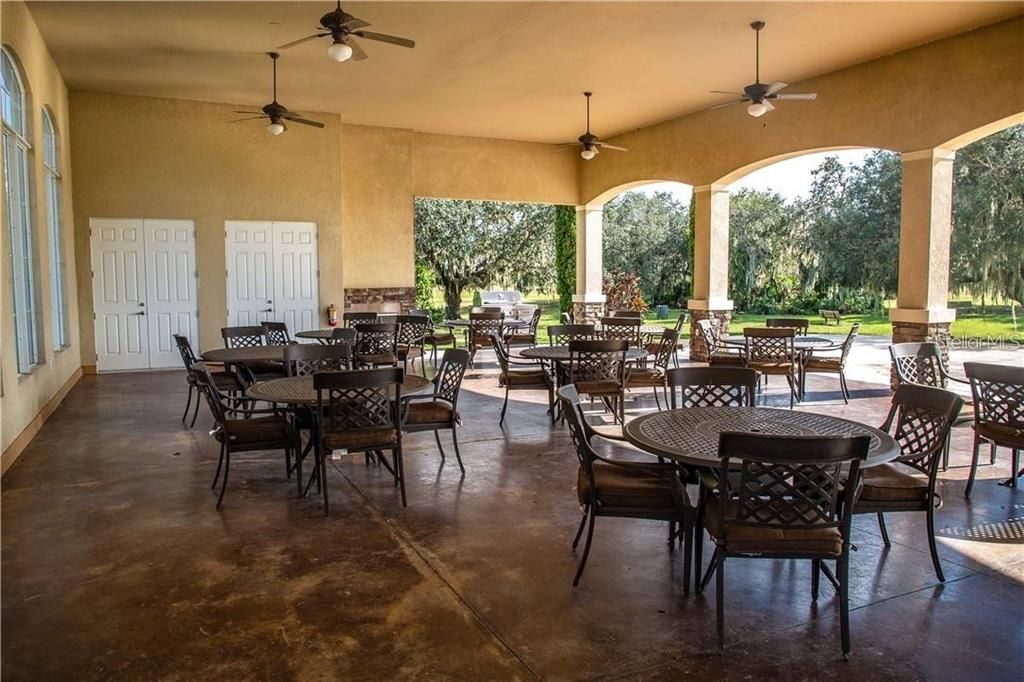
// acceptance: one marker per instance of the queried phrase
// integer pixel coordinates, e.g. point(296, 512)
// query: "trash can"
point(661, 311)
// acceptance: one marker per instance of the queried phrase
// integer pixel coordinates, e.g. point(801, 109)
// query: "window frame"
point(54, 223)
point(18, 170)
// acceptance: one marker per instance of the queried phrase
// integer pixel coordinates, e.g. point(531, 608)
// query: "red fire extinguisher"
point(332, 315)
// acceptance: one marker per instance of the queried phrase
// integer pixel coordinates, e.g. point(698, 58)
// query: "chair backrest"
point(206, 386)
point(603, 360)
point(712, 386)
point(789, 482)
point(998, 392)
point(624, 328)
point(422, 312)
point(918, 363)
point(534, 321)
point(351, 318)
point(709, 334)
point(680, 321)
point(276, 333)
point(242, 337)
point(344, 335)
point(448, 378)
point(500, 352)
point(485, 309)
point(564, 334)
point(571, 408)
point(919, 419)
point(666, 349)
point(848, 343)
point(482, 325)
point(376, 339)
point(626, 313)
point(360, 399)
point(800, 324)
point(770, 345)
point(566, 318)
point(188, 356)
point(412, 329)
point(304, 359)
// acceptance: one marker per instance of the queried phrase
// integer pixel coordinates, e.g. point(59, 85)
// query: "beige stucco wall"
point(24, 396)
point(926, 97)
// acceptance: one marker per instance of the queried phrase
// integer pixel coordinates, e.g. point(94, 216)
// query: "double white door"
point(144, 291)
point(272, 273)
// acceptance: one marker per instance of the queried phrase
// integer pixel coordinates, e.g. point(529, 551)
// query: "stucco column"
point(710, 263)
point(926, 208)
point(588, 303)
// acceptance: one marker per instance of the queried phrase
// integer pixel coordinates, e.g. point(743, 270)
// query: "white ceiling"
point(490, 69)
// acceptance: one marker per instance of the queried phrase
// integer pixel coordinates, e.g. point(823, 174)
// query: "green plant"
point(565, 255)
point(425, 285)
point(622, 291)
point(477, 301)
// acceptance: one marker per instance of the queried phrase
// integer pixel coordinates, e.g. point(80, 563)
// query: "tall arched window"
point(51, 166)
point(17, 172)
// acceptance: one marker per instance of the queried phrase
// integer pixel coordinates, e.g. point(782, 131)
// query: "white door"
point(272, 273)
point(119, 294)
point(296, 288)
point(172, 301)
point(250, 272)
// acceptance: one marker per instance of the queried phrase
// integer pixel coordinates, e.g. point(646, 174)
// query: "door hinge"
point(92, 274)
point(195, 274)
point(97, 357)
point(94, 316)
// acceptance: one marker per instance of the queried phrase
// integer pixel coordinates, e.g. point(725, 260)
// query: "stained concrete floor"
point(115, 564)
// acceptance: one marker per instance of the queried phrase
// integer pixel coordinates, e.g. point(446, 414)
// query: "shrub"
point(622, 291)
point(565, 255)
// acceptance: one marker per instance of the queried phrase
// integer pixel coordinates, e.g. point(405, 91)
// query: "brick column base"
point(698, 349)
point(920, 332)
point(587, 313)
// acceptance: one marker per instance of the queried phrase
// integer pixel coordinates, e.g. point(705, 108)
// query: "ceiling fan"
point(757, 93)
point(277, 113)
point(341, 26)
point(590, 144)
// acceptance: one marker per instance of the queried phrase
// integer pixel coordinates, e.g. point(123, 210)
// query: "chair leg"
point(579, 531)
point(657, 400)
point(932, 547)
point(687, 530)
point(188, 404)
point(815, 578)
point(712, 566)
point(974, 466)
point(321, 481)
point(843, 569)
point(399, 465)
point(458, 455)
point(586, 547)
point(698, 551)
point(224, 481)
point(504, 406)
point(220, 462)
point(991, 453)
point(437, 437)
point(195, 413)
point(1015, 467)
point(881, 527)
point(299, 456)
point(844, 387)
point(720, 601)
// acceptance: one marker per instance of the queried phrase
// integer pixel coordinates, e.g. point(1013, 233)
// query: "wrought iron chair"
point(251, 337)
point(481, 327)
point(520, 376)
point(376, 345)
point(305, 359)
point(358, 411)
point(770, 351)
point(352, 319)
point(527, 338)
point(435, 335)
point(815, 363)
point(598, 369)
point(439, 411)
point(276, 333)
point(564, 334)
point(656, 376)
point(652, 346)
point(626, 313)
point(711, 387)
point(998, 393)
point(919, 419)
point(272, 432)
point(622, 328)
point(343, 335)
point(225, 381)
point(799, 324)
point(606, 487)
point(710, 334)
point(567, 318)
point(793, 500)
point(412, 332)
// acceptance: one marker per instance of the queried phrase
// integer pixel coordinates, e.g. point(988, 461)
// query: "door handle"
point(268, 310)
point(139, 313)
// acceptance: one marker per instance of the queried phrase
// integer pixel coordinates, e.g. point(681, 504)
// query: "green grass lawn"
point(971, 322)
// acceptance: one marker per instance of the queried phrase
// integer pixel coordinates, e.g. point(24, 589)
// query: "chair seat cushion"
point(890, 483)
point(1003, 434)
point(409, 351)
point(424, 412)
point(259, 433)
point(725, 359)
point(652, 348)
point(378, 359)
point(366, 438)
point(520, 338)
point(834, 364)
point(652, 486)
point(525, 377)
point(225, 382)
point(771, 367)
point(770, 540)
point(646, 378)
point(436, 338)
point(265, 367)
point(599, 387)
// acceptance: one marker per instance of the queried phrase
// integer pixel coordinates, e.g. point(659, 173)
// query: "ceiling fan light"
point(339, 51)
point(757, 109)
point(275, 128)
point(588, 153)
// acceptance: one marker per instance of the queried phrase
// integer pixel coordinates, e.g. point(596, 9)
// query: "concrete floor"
point(115, 563)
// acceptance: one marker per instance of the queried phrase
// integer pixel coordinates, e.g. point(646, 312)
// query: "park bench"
point(831, 316)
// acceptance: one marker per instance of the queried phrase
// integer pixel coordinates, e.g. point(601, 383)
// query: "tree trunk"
point(452, 299)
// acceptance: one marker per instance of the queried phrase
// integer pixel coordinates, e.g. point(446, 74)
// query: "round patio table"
point(300, 391)
point(508, 324)
point(690, 435)
point(561, 353)
point(321, 335)
point(244, 355)
point(645, 329)
point(799, 342)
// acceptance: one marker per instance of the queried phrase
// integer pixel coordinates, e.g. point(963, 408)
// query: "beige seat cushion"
point(1002, 434)
point(259, 433)
point(890, 483)
point(525, 377)
point(362, 439)
point(725, 359)
point(770, 540)
point(433, 412)
point(646, 378)
point(637, 487)
point(601, 387)
point(833, 364)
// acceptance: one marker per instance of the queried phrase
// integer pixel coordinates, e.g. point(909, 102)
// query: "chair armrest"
point(650, 466)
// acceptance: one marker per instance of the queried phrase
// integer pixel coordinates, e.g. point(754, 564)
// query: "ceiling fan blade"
point(385, 38)
point(725, 92)
point(775, 87)
point(251, 118)
point(768, 105)
point(253, 113)
point(302, 40)
point(806, 96)
point(605, 145)
point(304, 121)
point(726, 104)
point(358, 54)
point(352, 24)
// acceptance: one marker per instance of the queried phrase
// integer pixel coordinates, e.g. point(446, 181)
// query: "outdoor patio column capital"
point(918, 316)
point(713, 187)
point(709, 304)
